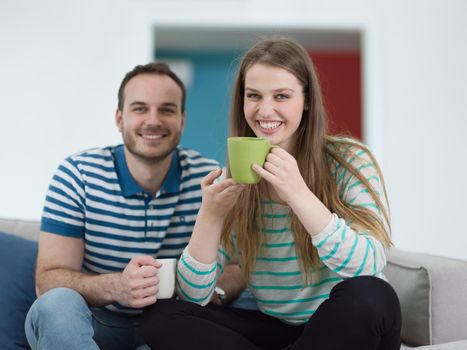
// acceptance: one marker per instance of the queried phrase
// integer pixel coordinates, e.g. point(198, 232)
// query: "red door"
point(340, 78)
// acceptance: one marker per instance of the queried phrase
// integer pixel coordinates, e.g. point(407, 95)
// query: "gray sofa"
point(432, 291)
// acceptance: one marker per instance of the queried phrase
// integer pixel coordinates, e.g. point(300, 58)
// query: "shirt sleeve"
point(196, 281)
point(64, 208)
point(342, 246)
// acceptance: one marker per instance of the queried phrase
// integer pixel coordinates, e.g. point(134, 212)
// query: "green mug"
point(243, 152)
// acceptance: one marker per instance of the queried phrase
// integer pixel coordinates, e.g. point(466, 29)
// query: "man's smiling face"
point(151, 121)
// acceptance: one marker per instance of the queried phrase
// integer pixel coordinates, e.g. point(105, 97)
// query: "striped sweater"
point(276, 280)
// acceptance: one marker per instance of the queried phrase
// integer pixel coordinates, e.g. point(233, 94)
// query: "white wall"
point(61, 63)
point(425, 95)
point(60, 66)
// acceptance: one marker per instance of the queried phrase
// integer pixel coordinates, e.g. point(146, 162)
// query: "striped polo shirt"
point(93, 196)
point(345, 251)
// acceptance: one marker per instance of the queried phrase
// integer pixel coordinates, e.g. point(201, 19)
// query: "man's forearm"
point(97, 290)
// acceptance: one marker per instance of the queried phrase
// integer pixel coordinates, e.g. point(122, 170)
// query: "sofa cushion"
point(17, 263)
point(412, 284)
point(432, 293)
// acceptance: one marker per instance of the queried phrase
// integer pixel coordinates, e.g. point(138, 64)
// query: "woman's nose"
point(266, 109)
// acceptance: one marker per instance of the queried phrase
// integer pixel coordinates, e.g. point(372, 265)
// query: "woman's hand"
point(281, 171)
point(219, 197)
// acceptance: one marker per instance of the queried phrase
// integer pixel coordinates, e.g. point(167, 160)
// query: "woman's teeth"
point(269, 125)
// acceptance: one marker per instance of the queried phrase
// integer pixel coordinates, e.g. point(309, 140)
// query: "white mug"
point(167, 274)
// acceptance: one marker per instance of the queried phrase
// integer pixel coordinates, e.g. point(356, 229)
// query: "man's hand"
point(232, 282)
point(139, 282)
point(215, 299)
point(59, 263)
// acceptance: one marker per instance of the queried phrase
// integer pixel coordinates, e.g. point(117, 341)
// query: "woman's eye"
point(281, 97)
point(253, 96)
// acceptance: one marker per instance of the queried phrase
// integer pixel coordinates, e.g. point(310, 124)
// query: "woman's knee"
point(165, 309)
point(160, 321)
point(370, 296)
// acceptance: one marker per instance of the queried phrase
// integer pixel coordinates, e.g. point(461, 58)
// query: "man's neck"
point(149, 175)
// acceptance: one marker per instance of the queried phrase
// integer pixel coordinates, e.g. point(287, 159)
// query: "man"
point(109, 214)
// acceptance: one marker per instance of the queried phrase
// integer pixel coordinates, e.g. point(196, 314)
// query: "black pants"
point(361, 313)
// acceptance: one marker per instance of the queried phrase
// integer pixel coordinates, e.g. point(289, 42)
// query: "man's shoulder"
point(190, 158)
point(94, 155)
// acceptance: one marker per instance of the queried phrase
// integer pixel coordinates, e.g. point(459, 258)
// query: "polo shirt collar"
point(173, 179)
point(128, 184)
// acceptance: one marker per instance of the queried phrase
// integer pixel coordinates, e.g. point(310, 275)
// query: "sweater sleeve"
point(196, 281)
point(342, 246)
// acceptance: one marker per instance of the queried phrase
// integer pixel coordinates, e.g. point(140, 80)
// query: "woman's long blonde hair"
point(314, 150)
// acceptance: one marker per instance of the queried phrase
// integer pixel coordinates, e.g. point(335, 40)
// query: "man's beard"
point(155, 157)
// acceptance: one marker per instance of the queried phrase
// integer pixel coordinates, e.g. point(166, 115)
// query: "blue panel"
point(208, 100)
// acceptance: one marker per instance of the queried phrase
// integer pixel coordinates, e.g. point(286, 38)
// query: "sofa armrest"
point(457, 345)
point(432, 291)
point(28, 229)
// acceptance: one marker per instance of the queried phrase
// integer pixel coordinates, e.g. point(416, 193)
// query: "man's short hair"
point(151, 68)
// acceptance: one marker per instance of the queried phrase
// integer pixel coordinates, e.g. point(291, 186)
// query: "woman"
point(311, 238)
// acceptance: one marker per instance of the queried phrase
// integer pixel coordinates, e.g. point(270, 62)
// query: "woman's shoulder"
point(348, 150)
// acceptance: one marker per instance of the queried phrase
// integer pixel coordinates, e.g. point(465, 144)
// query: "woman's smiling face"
point(273, 104)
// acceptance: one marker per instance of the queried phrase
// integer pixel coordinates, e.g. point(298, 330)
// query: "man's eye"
point(167, 110)
point(139, 109)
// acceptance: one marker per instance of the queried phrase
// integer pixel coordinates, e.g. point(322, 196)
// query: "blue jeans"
point(245, 300)
point(61, 319)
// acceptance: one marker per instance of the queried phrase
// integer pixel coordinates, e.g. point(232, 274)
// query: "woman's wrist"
point(301, 197)
point(312, 213)
point(209, 216)
point(205, 239)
